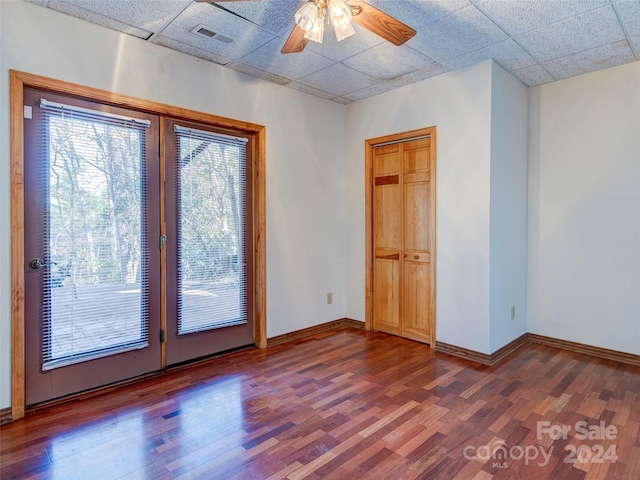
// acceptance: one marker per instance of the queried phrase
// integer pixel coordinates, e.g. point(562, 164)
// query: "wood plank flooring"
point(342, 405)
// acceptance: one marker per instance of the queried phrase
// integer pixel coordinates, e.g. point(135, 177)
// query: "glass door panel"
point(96, 288)
point(211, 195)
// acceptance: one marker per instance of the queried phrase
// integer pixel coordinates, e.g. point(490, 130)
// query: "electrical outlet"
point(329, 297)
point(513, 312)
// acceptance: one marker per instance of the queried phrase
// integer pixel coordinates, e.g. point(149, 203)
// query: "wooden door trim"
point(17, 247)
point(369, 184)
point(20, 80)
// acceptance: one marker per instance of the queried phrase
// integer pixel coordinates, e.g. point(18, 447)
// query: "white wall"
point(304, 177)
point(508, 224)
point(459, 105)
point(584, 209)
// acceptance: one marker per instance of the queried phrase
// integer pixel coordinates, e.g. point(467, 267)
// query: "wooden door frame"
point(20, 80)
point(369, 184)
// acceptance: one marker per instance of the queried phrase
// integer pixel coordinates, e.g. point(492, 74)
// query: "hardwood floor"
point(346, 405)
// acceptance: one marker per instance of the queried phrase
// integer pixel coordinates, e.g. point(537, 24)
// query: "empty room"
point(324, 239)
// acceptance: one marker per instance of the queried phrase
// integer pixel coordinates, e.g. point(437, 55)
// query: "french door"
point(209, 255)
point(133, 261)
point(91, 229)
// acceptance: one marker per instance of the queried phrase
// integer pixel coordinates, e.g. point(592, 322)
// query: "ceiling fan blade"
point(380, 23)
point(296, 41)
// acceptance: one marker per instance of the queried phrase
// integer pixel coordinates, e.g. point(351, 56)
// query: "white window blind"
point(95, 241)
point(212, 290)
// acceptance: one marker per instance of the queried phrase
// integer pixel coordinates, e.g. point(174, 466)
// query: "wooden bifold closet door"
point(403, 238)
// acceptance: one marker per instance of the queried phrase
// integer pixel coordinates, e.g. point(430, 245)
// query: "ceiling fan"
point(311, 17)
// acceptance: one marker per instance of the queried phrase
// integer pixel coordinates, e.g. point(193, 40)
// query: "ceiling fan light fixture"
point(313, 14)
point(316, 33)
point(339, 13)
point(343, 32)
point(307, 16)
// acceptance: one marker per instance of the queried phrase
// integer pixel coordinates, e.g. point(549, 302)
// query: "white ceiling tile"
point(583, 32)
point(246, 36)
point(606, 56)
point(419, 13)
point(388, 61)
point(82, 10)
point(274, 16)
point(422, 74)
point(338, 79)
point(457, 34)
point(148, 16)
point(375, 89)
point(270, 77)
point(630, 12)
point(316, 92)
point(339, 51)
point(533, 75)
point(519, 16)
point(191, 50)
point(507, 53)
point(342, 100)
point(293, 65)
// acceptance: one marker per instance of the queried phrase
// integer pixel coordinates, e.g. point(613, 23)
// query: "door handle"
point(38, 263)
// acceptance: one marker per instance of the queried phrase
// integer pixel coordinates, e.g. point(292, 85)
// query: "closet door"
point(387, 238)
point(403, 238)
point(416, 253)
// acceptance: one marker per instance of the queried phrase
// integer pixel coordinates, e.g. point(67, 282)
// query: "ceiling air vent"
point(208, 33)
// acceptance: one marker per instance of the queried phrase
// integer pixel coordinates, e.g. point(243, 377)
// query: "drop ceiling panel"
point(533, 75)
point(150, 16)
point(607, 56)
point(427, 72)
point(191, 50)
point(339, 51)
point(525, 15)
point(507, 53)
point(293, 66)
point(366, 92)
point(246, 36)
point(140, 19)
point(459, 33)
point(386, 61)
point(274, 16)
point(630, 12)
point(301, 87)
point(419, 13)
point(338, 79)
point(583, 32)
